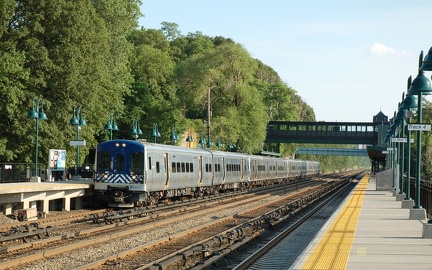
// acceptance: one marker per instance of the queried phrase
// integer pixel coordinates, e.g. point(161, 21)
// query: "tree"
point(76, 54)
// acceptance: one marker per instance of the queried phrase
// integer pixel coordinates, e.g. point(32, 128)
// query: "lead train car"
point(134, 173)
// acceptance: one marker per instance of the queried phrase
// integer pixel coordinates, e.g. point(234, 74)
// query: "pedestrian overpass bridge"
point(371, 134)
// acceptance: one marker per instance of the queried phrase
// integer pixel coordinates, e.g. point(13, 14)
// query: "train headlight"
point(105, 176)
point(134, 177)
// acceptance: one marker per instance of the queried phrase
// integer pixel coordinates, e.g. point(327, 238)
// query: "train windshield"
point(120, 162)
point(137, 162)
point(103, 161)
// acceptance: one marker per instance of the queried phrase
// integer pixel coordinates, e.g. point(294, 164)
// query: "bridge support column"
point(66, 203)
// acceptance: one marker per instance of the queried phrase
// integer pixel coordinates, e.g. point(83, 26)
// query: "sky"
point(348, 60)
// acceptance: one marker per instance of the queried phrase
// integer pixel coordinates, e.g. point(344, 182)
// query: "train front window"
point(137, 162)
point(120, 162)
point(103, 161)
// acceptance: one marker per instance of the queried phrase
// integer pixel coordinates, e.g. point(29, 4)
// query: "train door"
point(200, 170)
point(224, 169)
point(242, 169)
point(118, 163)
point(167, 171)
point(267, 168)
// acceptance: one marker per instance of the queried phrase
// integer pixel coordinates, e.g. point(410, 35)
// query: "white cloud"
point(380, 49)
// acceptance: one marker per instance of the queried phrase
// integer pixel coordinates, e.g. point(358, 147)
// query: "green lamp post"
point(111, 125)
point(400, 121)
point(189, 140)
point(174, 136)
point(420, 86)
point(410, 104)
point(37, 112)
point(155, 132)
point(230, 146)
point(78, 121)
point(202, 141)
point(136, 130)
point(219, 144)
point(426, 65)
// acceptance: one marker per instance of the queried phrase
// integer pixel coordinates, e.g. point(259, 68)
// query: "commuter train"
point(136, 173)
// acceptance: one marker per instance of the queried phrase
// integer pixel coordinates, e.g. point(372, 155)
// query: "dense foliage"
point(91, 54)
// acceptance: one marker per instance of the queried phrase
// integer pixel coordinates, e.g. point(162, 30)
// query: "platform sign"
point(419, 127)
point(385, 152)
point(402, 140)
point(390, 149)
point(77, 143)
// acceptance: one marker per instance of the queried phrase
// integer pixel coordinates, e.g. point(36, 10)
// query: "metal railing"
point(16, 172)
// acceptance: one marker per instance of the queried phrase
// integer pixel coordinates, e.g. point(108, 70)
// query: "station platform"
point(370, 230)
point(25, 195)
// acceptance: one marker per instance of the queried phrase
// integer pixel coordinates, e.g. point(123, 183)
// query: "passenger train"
point(137, 173)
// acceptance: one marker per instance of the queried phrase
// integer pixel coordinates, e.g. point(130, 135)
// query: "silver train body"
point(134, 173)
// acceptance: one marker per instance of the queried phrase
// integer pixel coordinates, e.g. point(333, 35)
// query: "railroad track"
point(14, 256)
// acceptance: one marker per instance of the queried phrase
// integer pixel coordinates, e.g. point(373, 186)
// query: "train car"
point(233, 171)
point(132, 172)
point(135, 173)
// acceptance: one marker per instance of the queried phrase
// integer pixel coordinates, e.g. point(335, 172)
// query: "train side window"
point(178, 167)
point(173, 167)
point(183, 167)
point(103, 161)
point(208, 167)
point(149, 163)
point(137, 162)
point(120, 162)
point(187, 167)
point(157, 167)
point(191, 167)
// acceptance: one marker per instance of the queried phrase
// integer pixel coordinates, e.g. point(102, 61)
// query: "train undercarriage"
point(124, 198)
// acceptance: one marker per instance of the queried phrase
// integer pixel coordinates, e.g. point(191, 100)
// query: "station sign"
point(77, 143)
point(385, 152)
point(419, 127)
point(390, 149)
point(402, 140)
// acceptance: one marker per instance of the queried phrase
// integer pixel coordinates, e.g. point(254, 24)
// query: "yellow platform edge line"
point(333, 250)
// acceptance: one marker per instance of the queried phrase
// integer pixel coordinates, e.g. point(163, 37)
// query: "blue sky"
point(347, 59)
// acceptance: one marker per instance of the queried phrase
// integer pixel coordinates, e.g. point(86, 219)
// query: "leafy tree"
point(76, 54)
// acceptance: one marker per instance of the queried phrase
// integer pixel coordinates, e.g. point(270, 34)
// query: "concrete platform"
point(39, 195)
point(384, 237)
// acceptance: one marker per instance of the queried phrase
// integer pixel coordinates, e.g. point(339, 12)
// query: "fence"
point(22, 172)
point(15, 172)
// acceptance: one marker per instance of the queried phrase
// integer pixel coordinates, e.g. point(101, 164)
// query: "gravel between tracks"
point(82, 257)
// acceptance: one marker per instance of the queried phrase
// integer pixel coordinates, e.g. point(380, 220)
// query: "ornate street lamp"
point(78, 121)
point(136, 130)
point(420, 86)
point(410, 102)
point(174, 136)
point(230, 146)
point(190, 140)
point(219, 144)
point(37, 112)
point(155, 133)
point(111, 125)
point(400, 122)
point(202, 141)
